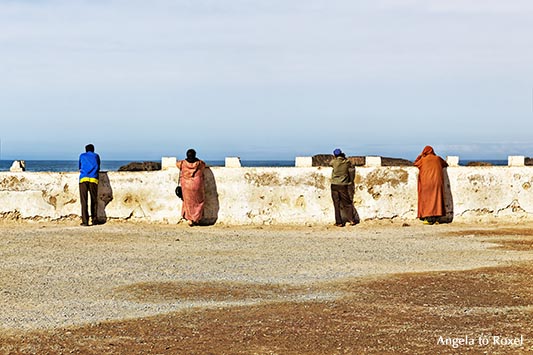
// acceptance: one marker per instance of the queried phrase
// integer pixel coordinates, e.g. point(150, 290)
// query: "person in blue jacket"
point(89, 165)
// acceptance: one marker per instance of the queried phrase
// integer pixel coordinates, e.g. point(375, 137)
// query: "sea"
point(114, 165)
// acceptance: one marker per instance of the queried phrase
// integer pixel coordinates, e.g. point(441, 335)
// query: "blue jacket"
point(89, 165)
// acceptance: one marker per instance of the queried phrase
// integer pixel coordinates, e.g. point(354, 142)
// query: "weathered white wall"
point(271, 195)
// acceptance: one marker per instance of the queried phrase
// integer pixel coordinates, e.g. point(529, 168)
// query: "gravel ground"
point(60, 274)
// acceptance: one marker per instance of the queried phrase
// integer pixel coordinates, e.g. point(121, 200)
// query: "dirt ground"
point(383, 288)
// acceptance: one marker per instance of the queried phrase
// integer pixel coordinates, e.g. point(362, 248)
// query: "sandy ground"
point(61, 285)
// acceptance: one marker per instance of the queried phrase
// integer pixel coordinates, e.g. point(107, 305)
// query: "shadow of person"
point(448, 199)
point(211, 204)
point(105, 195)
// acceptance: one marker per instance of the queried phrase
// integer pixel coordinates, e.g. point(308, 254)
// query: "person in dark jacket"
point(89, 165)
point(341, 180)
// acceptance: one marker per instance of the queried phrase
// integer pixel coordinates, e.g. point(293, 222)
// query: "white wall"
point(271, 195)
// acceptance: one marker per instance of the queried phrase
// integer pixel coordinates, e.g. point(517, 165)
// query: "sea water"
point(114, 165)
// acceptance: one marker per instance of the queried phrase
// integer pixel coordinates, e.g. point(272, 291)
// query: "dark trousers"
point(342, 200)
point(87, 188)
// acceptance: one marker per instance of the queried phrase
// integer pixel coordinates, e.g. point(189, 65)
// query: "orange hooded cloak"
point(430, 183)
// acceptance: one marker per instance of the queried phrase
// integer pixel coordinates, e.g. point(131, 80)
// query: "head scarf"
point(428, 150)
point(191, 156)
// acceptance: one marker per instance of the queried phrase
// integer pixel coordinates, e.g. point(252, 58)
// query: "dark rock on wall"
point(357, 161)
point(324, 159)
point(141, 166)
point(529, 161)
point(386, 161)
point(479, 163)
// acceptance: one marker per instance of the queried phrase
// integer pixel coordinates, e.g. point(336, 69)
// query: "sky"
point(265, 79)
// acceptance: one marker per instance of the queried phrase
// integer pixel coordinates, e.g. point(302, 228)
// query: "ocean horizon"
point(114, 165)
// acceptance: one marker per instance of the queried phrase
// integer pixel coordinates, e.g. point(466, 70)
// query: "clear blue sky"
point(265, 79)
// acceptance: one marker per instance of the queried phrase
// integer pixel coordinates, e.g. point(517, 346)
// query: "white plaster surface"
point(272, 195)
point(232, 162)
point(303, 162)
point(516, 160)
point(168, 163)
point(18, 165)
point(452, 160)
point(373, 161)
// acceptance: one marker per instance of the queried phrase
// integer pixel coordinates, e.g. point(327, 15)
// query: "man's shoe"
point(84, 224)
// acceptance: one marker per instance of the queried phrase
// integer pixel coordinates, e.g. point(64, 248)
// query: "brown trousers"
point(342, 200)
point(87, 188)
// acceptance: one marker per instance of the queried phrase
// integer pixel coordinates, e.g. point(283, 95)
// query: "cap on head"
point(337, 152)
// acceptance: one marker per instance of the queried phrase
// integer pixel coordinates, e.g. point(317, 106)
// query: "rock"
point(18, 165)
point(324, 159)
point(529, 161)
point(141, 166)
point(478, 163)
point(321, 159)
point(386, 161)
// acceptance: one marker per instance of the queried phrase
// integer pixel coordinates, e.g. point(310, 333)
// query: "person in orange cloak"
point(192, 184)
point(430, 186)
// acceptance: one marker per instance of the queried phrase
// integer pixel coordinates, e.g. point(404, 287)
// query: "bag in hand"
point(179, 192)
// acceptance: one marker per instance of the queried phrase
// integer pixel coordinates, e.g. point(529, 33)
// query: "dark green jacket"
point(341, 171)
